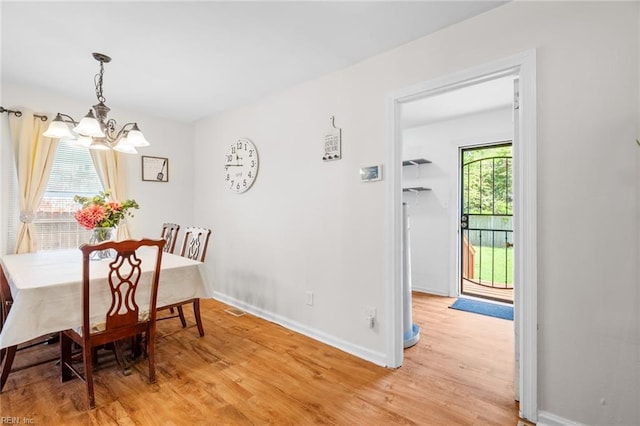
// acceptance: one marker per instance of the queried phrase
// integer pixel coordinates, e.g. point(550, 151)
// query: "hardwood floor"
point(248, 371)
point(499, 294)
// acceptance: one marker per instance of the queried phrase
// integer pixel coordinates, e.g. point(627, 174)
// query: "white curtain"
point(9, 207)
point(34, 156)
point(112, 171)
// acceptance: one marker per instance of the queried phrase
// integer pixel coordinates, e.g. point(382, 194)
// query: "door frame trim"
point(525, 218)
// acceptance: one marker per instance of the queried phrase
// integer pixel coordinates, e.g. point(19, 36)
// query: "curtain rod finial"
point(17, 113)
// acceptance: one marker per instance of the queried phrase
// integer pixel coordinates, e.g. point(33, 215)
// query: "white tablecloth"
point(47, 289)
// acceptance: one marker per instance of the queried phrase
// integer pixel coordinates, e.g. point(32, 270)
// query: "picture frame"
point(155, 169)
point(371, 173)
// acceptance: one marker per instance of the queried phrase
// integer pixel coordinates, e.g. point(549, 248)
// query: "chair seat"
point(99, 327)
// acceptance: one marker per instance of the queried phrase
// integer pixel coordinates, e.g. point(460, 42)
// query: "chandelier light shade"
point(95, 130)
point(58, 129)
point(89, 126)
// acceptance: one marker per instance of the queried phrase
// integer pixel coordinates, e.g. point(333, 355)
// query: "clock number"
point(239, 145)
point(253, 163)
point(233, 149)
point(228, 177)
point(249, 174)
point(250, 153)
point(238, 185)
point(244, 182)
point(229, 158)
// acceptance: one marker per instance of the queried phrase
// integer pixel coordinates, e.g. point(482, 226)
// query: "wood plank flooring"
point(500, 294)
point(247, 371)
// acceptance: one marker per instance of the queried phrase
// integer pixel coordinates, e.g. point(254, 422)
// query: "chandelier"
point(95, 131)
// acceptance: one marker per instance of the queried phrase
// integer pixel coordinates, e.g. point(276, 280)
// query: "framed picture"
point(155, 169)
point(371, 173)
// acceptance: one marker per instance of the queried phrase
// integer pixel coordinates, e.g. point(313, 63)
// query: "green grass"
point(498, 260)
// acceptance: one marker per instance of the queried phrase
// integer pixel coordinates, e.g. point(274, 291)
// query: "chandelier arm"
point(66, 118)
point(110, 131)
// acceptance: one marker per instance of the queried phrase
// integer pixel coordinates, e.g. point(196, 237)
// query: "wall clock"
point(241, 165)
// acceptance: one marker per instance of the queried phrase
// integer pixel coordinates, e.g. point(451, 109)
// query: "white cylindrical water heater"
point(411, 331)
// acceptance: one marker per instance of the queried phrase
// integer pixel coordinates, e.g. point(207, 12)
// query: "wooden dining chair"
point(8, 354)
point(194, 246)
point(170, 235)
point(128, 316)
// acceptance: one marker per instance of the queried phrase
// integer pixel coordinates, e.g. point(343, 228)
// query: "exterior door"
point(486, 222)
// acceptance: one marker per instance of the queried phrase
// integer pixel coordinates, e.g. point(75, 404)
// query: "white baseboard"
point(378, 358)
point(430, 291)
point(549, 419)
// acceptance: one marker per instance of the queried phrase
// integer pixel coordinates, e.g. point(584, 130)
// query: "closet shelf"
point(416, 189)
point(415, 162)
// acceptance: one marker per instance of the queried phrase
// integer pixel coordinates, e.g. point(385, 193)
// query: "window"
point(72, 174)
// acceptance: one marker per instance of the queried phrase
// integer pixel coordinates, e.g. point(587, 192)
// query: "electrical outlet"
point(309, 298)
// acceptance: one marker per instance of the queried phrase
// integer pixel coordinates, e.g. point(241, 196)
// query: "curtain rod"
point(19, 113)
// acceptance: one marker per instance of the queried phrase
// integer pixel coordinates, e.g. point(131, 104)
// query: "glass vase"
point(100, 235)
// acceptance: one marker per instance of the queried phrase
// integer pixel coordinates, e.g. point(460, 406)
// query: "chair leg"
point(65, 357)
point(181, 315)
point(6, 367)
point(121, 358)
point(151, 352)
point(87, 354)
point(136, 346)
point(196, 313)
point(94, 354)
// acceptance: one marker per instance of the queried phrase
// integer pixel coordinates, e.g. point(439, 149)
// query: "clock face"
point(240, 165)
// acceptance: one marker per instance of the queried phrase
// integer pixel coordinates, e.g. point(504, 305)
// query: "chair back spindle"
point(195, 243)
point(170, 235)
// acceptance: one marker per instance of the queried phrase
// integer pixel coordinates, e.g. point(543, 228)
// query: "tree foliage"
point(487, 175)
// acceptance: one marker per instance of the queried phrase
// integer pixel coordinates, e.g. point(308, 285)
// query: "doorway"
point(524, 213)
point(486, 222)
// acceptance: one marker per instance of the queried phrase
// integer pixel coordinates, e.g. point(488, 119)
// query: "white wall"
point(312, 226)
point(433, 214)
point(159, 202)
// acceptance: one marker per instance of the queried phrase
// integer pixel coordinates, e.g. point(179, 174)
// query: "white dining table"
point(46, 288)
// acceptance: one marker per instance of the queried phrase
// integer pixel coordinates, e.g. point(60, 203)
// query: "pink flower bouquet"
point(97, 212)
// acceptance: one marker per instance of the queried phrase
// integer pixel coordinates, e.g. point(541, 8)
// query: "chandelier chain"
point(98, 82)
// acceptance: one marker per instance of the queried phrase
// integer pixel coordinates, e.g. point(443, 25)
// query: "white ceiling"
point(186, 60)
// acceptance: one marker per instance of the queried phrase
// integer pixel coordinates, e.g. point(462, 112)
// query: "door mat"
point(484, 308)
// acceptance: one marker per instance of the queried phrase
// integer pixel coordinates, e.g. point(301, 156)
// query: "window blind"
point(73, 173)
